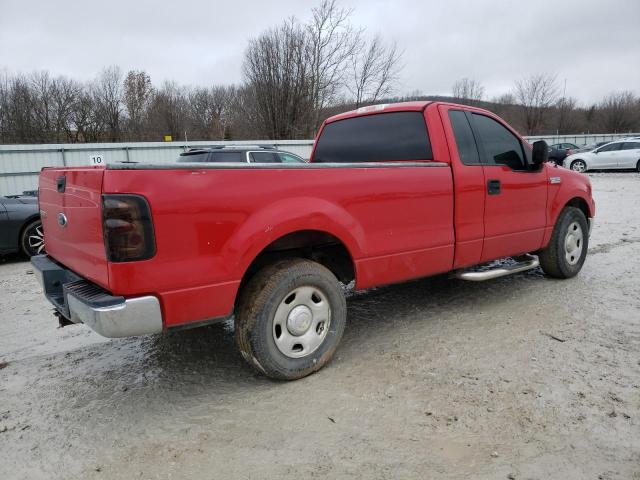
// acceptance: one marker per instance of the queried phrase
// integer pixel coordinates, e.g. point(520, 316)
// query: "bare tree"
point(566, 115)
point(41, 92)
point(108, 91)
point(468, 90)
point(535, 94)
point(618, 112)
point(276, 71)
point(374, 70)
point(4, 106)
point(137, 96)
point(86, 122)
point(243, 118)
point(504, 99)
point(332, 42)
point(21, 121)
point(170, 111)
point(210, 111)
point(64, 93)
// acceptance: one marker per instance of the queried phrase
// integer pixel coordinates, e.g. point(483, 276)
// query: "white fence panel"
point(21, 164)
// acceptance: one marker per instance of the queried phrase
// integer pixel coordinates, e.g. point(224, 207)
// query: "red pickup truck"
point(391, 193)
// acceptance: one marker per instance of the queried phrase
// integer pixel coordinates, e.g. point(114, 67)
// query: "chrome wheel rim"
point(35, 240)
point(301, 322)
point(578, 166)
point(573, 243)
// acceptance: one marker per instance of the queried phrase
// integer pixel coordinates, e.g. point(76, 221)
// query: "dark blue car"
point(20, 226)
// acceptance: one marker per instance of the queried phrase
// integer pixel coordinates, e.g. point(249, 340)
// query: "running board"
point(522, 266)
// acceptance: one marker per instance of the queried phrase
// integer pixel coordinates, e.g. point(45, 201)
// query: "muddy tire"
point(564, 256)
point(290, 319)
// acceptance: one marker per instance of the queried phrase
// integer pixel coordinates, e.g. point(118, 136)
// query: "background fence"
point(20, 164)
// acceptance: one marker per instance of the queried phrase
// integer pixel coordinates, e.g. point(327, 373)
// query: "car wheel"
point(290, 319)
point(32, 239)
point(564, 256)
point(638, 166)
point(579, 166)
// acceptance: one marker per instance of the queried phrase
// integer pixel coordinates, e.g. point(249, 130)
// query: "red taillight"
point(127, 228)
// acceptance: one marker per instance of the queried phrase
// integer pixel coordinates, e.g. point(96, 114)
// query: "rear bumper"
point(81, 301)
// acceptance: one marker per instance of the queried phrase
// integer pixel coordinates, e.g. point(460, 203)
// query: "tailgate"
point(71, 210)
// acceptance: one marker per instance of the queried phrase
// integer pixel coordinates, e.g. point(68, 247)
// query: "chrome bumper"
point(81, 301)
point(135, 316)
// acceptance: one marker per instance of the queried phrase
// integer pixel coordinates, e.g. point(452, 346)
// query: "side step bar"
point(528, 263)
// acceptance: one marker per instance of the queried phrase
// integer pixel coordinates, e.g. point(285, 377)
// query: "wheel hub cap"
point(573, 243)
point(299, 320)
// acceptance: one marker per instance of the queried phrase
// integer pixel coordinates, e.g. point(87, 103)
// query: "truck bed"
point(212, 220)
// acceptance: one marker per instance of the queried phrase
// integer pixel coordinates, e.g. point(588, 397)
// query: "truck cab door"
point(515, 195)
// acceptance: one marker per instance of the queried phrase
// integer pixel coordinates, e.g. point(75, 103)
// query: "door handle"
point(493, 187)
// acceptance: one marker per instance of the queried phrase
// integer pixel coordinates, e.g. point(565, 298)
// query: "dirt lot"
point(523, 377)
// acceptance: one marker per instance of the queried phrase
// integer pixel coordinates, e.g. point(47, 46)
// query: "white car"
point(621, 154)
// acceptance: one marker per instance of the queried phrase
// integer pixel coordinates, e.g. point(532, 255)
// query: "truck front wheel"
point(290, 318)
point(564, 256)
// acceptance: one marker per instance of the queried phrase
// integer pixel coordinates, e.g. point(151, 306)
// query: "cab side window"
point(499, 145)
point(465, 141)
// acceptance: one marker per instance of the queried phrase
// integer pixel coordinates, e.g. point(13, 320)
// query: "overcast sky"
point(594, 45)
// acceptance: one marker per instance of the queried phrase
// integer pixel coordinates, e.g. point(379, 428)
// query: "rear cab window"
point(381, 137)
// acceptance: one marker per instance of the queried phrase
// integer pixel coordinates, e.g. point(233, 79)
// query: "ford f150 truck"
point(391, 193)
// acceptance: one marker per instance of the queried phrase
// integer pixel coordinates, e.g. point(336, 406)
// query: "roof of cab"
point(384, 107)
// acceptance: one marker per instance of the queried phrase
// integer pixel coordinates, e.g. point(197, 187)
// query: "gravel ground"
point(522, 377)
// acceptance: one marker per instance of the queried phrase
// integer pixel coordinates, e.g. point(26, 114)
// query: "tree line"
point(295, 75)
point(535, 106)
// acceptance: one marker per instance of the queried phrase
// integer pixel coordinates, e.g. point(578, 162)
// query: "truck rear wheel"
point(290, 318)
point(564, 256)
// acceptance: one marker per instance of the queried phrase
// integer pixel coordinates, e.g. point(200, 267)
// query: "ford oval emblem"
point(62, 220)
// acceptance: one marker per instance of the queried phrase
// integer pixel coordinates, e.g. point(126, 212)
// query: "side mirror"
point(540, 153)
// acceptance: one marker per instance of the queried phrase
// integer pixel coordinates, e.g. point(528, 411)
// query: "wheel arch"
point(581, 204)
point(308, 227)
point(319, 246)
